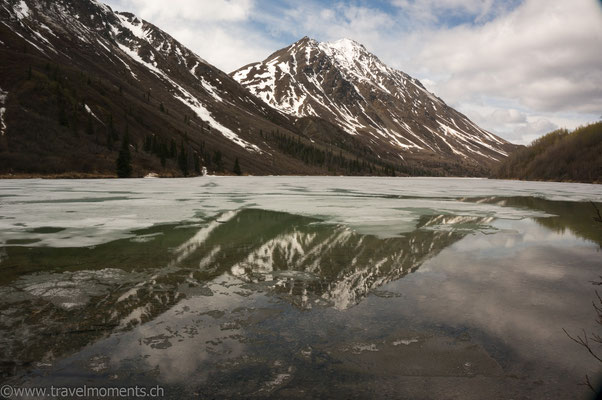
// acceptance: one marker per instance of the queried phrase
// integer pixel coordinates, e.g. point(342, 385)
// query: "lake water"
point(300, 287)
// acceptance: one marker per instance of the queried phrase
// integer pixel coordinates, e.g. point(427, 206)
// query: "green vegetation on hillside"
point(559, 156)
point(350, 163)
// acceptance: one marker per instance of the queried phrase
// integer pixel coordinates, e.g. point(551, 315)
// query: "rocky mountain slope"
point(389, 111)
point(77, 76)
point(80, 83)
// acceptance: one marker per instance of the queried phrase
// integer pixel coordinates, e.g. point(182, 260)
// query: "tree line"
point(338, 162)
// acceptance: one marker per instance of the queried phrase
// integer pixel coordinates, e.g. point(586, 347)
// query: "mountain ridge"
point(79, 79)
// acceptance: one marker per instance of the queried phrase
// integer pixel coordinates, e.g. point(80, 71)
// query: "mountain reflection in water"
point(299, 259)
point(199, 300)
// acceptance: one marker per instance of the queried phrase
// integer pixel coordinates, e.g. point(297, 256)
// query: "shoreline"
point(81, 175)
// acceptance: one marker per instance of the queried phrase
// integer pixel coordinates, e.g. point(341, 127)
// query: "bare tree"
point(592, 341)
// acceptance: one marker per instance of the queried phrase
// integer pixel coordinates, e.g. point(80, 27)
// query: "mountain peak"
point(344, 43)
point(305, 41)
point(352, 56)
point(345, 46)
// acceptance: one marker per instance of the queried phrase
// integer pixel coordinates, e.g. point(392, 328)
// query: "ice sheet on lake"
point(97, 211)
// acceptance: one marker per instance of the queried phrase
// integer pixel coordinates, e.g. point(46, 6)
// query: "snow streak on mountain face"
point(347, 85)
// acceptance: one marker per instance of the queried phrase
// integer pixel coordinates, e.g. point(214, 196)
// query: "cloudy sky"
point(519, 68)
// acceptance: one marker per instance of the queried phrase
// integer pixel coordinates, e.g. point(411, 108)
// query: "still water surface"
point(300, 286)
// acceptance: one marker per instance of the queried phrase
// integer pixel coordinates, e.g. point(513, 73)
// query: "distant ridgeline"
point(559, 156)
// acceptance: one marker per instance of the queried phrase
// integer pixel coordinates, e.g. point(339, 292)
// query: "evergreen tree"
point(74, 125)
point(173, 152)
point(197, 164)
point(90, 127)
point(207, 159)
point(112, 130)
point(147, 146)
point(236, 168)
point(124, 160)
point(110, 141)
point(155, 145)
point(63, 120)
point(217, 160)
point(62, 107)
point(183, 160)
point(163, 153)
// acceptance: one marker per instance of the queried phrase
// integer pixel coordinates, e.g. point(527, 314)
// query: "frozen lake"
point(224, 287)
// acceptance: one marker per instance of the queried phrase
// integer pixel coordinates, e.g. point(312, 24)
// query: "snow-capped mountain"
point(345, 84)
point(80, 81)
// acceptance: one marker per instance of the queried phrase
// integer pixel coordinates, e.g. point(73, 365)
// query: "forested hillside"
point(559, 156)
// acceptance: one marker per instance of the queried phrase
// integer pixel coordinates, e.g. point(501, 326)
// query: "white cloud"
point(544, 54)
point(509, 116)
point(335, 22)
point(225, 47)
point(519, 126)
point(530, 130)
point(435, 10)
point(196, 10)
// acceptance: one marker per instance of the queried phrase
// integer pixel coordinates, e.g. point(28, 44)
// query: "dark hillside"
point(559, 156)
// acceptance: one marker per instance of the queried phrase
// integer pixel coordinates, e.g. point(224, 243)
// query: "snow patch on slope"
point(135, 26)
point(21, 10)
point(193, 69)
point(195, 105)
point(89, 111)
point(3, 95)
point(212, 90)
